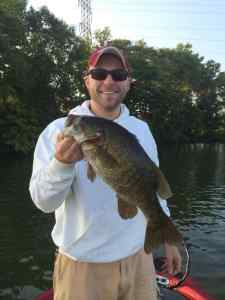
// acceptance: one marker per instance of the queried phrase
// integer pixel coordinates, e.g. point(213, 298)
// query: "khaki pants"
point(132, 278)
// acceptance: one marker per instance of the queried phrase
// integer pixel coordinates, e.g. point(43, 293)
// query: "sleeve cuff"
point(57, 166)
point(164, 206)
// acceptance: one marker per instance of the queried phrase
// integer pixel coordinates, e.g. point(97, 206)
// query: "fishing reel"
point(171, 282)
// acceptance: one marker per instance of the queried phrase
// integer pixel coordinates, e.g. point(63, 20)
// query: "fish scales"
point(115, 154)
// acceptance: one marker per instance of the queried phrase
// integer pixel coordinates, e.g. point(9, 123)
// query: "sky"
point(160, 23)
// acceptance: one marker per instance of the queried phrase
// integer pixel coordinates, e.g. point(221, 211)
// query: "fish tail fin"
point(160, 233)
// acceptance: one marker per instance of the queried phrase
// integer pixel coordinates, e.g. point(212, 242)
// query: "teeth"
point(108, 92)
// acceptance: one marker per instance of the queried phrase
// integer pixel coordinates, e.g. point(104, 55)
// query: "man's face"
point(108, 93)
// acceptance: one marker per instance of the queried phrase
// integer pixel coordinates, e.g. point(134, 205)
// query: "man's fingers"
point(65, 143)
point(174, 259)
point(74, 150)
point(177, 265)
point(60, 137)
point(67, 149)
point(174, 266)
point(169, 266)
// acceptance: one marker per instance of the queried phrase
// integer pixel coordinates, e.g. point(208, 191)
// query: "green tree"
point(169, 91)
point(211, 98)
point(102, 37)
point(41, 64)
point(13, 67)
point(42, 70)
point(57, 57)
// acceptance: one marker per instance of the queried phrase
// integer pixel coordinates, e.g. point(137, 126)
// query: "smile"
point(109, 92)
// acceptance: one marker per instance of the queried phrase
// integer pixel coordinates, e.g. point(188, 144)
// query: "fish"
point(115, 155)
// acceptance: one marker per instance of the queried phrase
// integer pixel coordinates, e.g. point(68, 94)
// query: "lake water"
point(197, 176)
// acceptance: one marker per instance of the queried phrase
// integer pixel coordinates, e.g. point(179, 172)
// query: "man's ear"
point(86, 81)
point(129, 81)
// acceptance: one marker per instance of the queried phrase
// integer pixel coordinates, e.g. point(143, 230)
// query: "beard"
point(109, 102)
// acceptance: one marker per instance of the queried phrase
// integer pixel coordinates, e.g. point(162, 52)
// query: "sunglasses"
point(101, 74)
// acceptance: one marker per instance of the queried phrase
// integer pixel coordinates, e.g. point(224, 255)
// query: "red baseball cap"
point(97, 54)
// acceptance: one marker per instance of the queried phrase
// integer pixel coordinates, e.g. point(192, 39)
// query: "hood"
point(83, 109)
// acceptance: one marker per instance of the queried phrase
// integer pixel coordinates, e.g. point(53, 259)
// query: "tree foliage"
point(176, 91)
point(180, 95)
point(41, 61)
point(102, 37)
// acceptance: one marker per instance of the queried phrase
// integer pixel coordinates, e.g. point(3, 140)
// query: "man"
point(101, 255)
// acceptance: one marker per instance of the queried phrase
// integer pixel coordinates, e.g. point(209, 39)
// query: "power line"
point(203, 10)
point(169, 8)
point(188, 39)
point(180, 28)
point(151, 11)
point(170, 4)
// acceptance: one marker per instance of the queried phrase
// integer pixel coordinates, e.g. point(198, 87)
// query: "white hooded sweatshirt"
point(87, 224)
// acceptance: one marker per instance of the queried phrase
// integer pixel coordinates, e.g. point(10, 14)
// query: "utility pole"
point(86, 18)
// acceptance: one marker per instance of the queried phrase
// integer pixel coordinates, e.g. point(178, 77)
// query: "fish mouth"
point(94, 139)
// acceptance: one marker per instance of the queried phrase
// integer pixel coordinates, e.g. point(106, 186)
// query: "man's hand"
point(67, 150)
point(173, 260)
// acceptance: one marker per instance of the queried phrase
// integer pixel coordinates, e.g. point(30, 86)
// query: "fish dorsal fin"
point(69, 120)
point(163, 188)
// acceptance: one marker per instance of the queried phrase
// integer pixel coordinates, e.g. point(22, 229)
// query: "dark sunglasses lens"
point(99, 74)
point(119, 74)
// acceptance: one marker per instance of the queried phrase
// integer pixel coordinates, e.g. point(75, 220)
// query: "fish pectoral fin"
point(90, 172)
point(163, 189)
point(126, 211)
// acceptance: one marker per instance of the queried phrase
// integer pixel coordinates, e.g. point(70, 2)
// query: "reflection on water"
point(26, 252)
point(197, 176)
